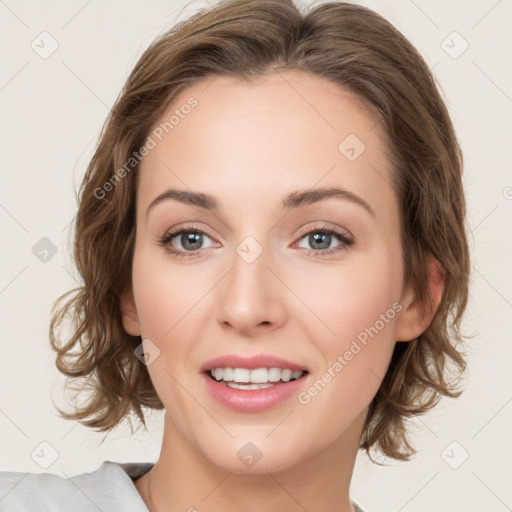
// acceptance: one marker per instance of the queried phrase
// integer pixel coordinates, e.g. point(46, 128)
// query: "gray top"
point(110, 487)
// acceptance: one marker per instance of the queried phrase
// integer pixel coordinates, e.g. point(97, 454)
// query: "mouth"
point(253, 379)
point(253, 384)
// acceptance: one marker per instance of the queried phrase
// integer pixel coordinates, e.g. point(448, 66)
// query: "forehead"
point(253, 142)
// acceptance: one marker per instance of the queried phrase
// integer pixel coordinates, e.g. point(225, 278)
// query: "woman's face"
point(259, 275)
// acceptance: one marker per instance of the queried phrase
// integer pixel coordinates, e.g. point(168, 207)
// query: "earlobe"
point(129, 312)
point(414, 319)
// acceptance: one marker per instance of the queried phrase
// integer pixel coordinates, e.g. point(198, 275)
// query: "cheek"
point(167, 295)
point(168, 305)
point(351, 299)
point(359, 306)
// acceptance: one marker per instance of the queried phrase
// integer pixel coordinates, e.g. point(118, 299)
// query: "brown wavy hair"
point(353, 47)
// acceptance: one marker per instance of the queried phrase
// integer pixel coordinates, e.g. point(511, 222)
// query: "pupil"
point(317, 238)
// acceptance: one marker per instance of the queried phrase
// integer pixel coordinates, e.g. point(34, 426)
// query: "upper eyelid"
point(320, 226)
point(325, 226)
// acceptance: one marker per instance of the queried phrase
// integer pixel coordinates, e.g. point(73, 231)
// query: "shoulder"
point(110, 484)
point(38, 491)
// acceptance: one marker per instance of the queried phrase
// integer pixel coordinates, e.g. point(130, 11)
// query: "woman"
point(271, 236)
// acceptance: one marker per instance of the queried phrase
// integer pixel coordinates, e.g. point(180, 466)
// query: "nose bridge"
point(248, 297)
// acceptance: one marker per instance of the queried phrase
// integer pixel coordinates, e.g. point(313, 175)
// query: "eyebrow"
point(292, 200)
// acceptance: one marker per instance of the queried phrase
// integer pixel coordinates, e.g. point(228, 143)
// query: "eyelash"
point(346, 241)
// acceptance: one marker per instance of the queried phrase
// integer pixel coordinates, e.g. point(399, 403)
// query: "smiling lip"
point(251, 363)
point(253, 400)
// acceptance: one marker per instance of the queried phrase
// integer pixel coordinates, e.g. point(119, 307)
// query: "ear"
point(129, 312)
point(413, 320)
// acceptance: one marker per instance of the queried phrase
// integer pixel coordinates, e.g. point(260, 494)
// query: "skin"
point(250, 144)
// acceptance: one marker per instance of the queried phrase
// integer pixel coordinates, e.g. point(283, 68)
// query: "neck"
point(184, 480)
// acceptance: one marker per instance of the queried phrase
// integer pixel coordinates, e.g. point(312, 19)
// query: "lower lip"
point(252, 400)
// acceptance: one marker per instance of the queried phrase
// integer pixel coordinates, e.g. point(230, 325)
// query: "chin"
point(257, 457)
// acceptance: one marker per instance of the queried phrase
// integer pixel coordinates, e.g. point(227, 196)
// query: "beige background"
point(52, 111)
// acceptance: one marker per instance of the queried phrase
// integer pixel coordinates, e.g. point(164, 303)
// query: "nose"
point(250, 299)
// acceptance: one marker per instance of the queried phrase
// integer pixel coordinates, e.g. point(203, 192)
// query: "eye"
point(320, 239)
point(189, 240)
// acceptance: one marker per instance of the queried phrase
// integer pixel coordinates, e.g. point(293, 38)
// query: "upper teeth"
point(257, 376)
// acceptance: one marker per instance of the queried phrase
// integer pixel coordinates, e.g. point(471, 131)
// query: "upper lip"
point(251, 363)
